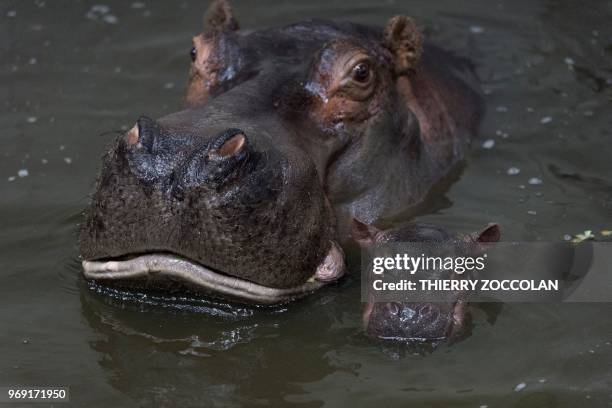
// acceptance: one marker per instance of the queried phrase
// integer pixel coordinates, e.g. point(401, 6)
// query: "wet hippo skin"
point(290, 132)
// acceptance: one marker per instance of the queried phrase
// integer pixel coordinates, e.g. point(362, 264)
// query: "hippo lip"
point(170, 265)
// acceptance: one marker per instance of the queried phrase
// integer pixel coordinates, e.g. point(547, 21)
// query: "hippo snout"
point(175, 160)
point(415, 321)
point(225, 210)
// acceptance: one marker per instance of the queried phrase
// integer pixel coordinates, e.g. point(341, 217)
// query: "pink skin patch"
point(131, 137)
point(459, 317)
point(232, 146)
point(332, 268)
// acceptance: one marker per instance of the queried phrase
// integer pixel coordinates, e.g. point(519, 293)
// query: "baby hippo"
point(420, 321)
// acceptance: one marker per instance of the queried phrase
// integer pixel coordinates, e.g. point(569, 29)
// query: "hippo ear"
point(404, 40)
point(490, 234)
point(363, 234)
point(219, 17)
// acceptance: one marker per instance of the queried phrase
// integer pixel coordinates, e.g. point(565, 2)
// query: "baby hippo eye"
point(193, 54)
point(361, 72)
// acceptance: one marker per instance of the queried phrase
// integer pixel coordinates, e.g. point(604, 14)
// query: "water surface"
point(72, 73)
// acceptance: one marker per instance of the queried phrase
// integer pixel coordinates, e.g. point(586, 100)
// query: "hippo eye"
point(193, 54)
point(361, 72)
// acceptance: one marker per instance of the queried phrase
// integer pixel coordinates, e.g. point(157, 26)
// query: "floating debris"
point(138, 5)
point(101, 12)
point(545, 120)
point(476, 29)
point(44, 161)
point(11, 13)
point(530, 109)
point(501, 109)
point(12, 178)
point(169, 85)
point(96, 11)
point(502, 134)
point(586, 235)
point(68, 160)
point(520, 387)
point(110, 19)
point(532, 212)
point(534, 181)
point(488, 144)
point(23, 173)
point(542, 380)
point(513, 171)
point(32, 119)
point(569, 61)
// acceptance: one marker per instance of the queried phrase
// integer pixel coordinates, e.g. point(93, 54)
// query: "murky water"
point(71, 73)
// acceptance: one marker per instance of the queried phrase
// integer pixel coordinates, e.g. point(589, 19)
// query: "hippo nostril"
point(231, 146)
point(233, 143)
point(144, 152)
point(393, 308)
point(143, 133)
point(227, 157)
point(132, 136)
point(425, 310)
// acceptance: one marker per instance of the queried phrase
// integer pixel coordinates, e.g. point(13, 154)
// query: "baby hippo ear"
point(363, 234)
point(405, 42)
point(489, 234)
point(219, 17)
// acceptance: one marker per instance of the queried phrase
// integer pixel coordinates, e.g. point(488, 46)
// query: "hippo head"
point(232, 196)
point(420, 321)
point(343, 89)
point(211, 208)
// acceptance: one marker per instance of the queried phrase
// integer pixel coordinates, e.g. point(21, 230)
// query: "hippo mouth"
point(155, 266)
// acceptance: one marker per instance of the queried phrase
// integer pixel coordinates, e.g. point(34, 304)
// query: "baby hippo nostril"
point(393, 308)
point(232, 145)
point(426, 311)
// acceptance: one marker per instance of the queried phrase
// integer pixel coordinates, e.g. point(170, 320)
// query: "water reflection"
point(180, 355)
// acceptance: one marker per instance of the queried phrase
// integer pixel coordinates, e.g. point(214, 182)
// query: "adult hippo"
point(291, 132)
